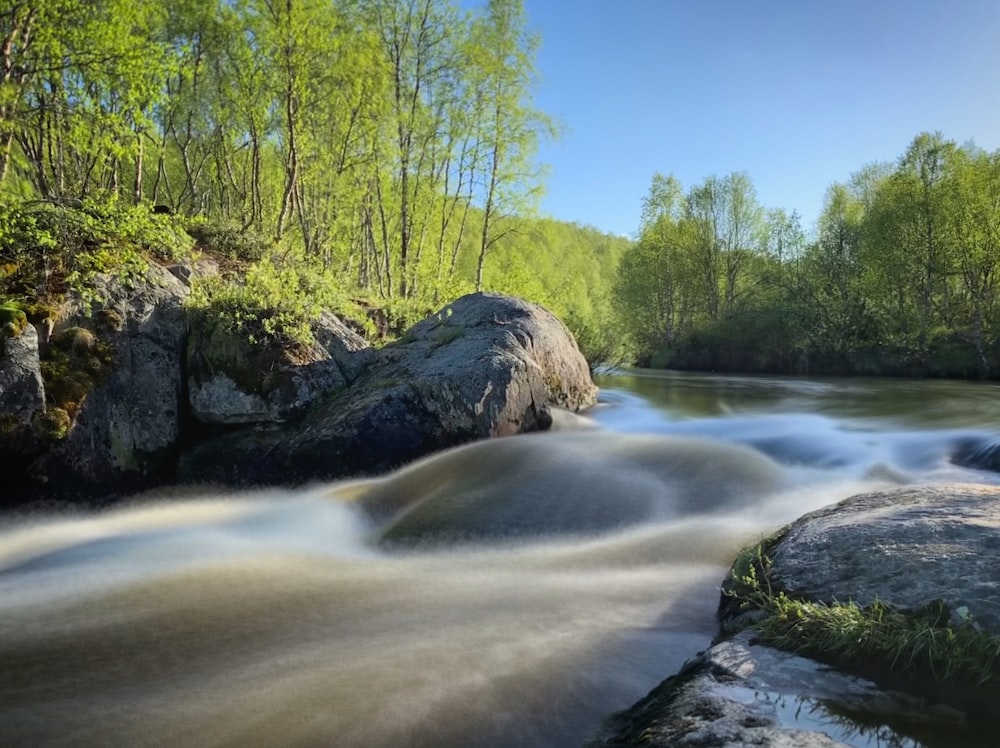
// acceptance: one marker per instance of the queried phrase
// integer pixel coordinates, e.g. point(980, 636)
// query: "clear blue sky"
point(798, 93)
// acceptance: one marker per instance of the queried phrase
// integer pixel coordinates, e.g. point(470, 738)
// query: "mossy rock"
point(13, 320)
point(214, 349)
point(74, 363)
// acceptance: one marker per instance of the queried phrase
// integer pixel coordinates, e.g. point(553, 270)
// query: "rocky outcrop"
point(130, 377)
point(739, 694)
point(126, 428)
point(487, 365)
point(231, 381)
point(905, 547)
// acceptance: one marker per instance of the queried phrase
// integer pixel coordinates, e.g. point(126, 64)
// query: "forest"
point(901, 277)
point(381, 156)
point(354, 154)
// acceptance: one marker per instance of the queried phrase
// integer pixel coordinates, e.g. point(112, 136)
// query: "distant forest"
point(901, 278)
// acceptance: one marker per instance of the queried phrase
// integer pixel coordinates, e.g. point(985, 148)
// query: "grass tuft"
point(925, 643)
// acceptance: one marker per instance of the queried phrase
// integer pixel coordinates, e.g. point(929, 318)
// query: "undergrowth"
point(48, 248)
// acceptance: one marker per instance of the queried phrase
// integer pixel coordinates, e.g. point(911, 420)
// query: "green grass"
point(929, 643)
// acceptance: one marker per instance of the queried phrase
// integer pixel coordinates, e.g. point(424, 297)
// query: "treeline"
point(901, 278)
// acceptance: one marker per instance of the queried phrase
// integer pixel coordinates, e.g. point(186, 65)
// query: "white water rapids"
point(275, 618)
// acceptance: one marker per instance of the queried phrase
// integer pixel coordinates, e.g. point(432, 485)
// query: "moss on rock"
point(74, 363)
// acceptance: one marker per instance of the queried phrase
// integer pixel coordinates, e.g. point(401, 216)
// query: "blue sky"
point(797, 93)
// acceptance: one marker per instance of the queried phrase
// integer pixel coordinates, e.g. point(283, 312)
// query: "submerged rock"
point(486, 365)
point(562, 483)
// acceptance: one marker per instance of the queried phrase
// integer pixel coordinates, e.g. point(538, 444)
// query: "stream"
point(531, 587)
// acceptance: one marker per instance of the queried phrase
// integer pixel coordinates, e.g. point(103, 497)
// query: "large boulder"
point(487, 365)
point(232, 381)
point(906, 547)
point(127, 413)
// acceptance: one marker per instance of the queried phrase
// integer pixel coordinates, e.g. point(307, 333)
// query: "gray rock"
point(231, 381)
point(487, 365)
point(127, 428)
point(188, 271)
point(740, 694)
point(22, 396)
point(907, 547)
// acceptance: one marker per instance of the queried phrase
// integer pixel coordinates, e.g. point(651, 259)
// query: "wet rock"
point(739, 693)
point(978, 453)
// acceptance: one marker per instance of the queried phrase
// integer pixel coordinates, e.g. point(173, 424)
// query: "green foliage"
point(903, 277)
point(228, 239)
point(269, 302)
point(925, 643)
point(48, 248)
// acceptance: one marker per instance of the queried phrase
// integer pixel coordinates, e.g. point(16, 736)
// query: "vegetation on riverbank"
point(902, 277)
point(930, 648)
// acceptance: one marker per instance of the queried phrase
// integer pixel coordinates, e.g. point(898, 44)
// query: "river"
point(531, 587)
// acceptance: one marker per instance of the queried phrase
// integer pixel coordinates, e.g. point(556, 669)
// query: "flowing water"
point(509, 593)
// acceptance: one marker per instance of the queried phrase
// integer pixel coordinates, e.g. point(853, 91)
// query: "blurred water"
point(276, 618)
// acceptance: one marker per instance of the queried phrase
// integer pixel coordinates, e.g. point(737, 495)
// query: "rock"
point(978, 453)
point(22, 395)
point(126, 430)
point(188, 271)
point(739, 693)
point(907, 547)
point(231, 381)
point(487, 365)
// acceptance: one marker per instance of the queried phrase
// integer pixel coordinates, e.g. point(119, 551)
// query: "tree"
point(510, 127)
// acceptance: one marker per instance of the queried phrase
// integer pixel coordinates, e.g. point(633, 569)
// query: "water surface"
point(277, 617)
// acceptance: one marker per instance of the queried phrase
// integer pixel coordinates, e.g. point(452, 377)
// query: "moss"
point(926, 644)
point(74, 363)
point(10, 425)
point(12, 319)
point(110, 319)
point(39, 312)
point(216, 349)
point(53, 424)
point(445, 334)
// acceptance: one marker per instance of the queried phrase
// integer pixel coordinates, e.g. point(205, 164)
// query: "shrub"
point(47, 248)
point(269, 303)
point(228, 239)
